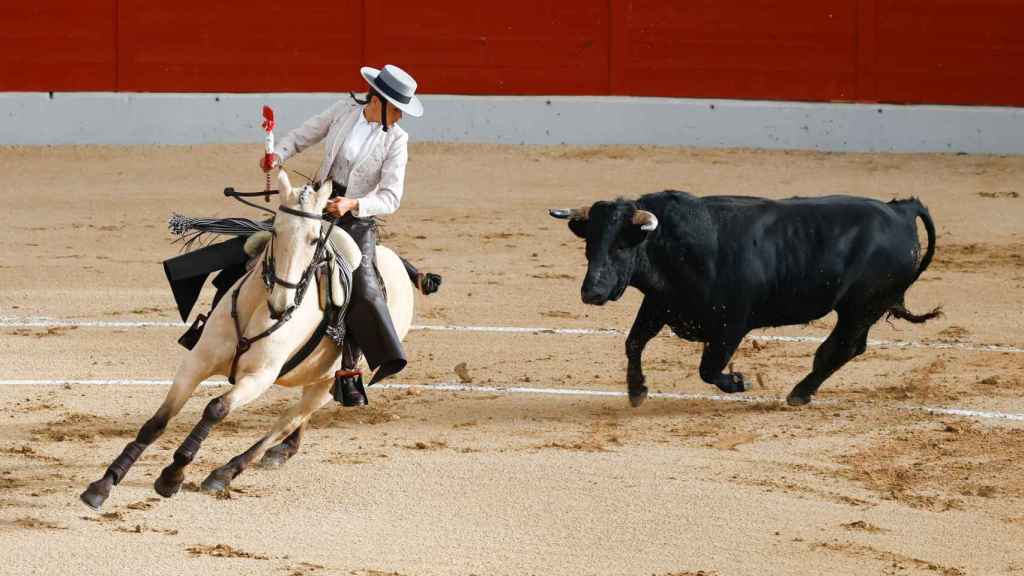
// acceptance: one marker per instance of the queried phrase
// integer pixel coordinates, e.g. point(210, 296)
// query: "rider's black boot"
point(348, 382)
point(348, 388)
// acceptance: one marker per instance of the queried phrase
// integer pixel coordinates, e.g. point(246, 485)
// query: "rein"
point(266, 194)
point(270, 278)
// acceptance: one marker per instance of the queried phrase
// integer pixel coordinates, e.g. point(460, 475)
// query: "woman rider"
point(366, 153)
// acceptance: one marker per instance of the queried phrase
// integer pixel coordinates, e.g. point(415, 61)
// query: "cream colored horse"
point(259, 367)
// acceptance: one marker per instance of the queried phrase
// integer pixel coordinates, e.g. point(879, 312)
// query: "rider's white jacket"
point(377, 178)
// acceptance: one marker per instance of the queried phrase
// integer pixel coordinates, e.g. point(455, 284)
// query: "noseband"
point(270, 279)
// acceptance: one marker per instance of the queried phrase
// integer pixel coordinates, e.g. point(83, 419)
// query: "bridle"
point(270, 279)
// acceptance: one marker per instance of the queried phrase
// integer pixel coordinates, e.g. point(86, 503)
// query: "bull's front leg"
point(649, 321)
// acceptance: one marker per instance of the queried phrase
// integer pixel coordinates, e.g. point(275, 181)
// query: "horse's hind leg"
point(188, 377)
point(313, 397)
point(283, 452)
point(248, 388)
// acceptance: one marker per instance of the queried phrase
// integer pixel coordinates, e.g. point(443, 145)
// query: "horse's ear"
point(284, 183)
point(323, 193)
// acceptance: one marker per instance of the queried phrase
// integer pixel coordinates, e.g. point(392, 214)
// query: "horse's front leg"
point(313, 397)
point(248, 388)
point(193, 370)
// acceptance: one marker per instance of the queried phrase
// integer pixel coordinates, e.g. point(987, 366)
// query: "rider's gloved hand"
point(275, 161)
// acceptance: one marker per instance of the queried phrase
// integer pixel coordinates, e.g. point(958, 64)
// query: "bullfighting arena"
point(508, 446)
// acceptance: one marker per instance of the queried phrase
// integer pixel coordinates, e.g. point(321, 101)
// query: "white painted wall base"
point(143, 118)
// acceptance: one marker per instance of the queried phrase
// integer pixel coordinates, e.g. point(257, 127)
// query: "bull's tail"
point(900, 309)
point(929, 226)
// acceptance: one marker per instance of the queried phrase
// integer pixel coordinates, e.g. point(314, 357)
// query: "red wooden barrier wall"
point(921, 51)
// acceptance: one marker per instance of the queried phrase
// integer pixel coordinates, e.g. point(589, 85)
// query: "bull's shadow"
point(714, 268)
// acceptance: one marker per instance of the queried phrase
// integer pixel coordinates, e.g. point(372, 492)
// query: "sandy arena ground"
point(426, 482)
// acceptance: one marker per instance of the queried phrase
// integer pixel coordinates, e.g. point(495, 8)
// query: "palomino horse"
point(296, 244)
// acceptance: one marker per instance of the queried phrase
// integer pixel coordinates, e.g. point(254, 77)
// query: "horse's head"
point(297, 230)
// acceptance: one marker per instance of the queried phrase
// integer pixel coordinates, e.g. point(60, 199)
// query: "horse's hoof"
point(96, 494)
point(213, 485)
point(637, 398)
point(168, 486)
point(273, 460)
point(797, 400)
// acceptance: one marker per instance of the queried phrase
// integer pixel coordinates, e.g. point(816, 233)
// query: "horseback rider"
point(366, 153)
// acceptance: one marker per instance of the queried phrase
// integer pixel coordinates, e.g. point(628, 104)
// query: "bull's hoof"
point(214, 484)
point(97, 493)
point(169, 482)
point(734, 383)
point(798, 400)
point(637, 397)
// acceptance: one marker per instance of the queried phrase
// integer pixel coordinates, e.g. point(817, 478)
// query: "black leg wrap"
point(148, 434)
point(119, 467)
point(215, 412)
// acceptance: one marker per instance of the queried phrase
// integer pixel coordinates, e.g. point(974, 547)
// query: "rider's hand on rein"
point(274, 164)
point(337, 207)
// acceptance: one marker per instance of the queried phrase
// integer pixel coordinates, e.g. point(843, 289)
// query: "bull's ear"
point(647, 221)
point(577, 218)
point(641, 225)
point(578, 227)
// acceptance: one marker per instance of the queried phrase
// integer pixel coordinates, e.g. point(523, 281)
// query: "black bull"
point(714, 268)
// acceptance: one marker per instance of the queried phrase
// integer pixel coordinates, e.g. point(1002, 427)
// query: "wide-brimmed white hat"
point(396, 86)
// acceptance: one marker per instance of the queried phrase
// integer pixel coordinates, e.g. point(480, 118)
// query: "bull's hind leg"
point(713, 361)
point(248, 388)
point(313, 397)
point(189, 375)
point(847, 341)
point(283, 452)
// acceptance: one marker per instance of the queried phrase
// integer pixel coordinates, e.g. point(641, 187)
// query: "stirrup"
point(191, 336)
point(348, 388)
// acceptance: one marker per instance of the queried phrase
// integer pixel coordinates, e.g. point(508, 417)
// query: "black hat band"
point(389, 91)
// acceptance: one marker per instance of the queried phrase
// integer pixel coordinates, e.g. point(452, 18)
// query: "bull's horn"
point(645, 220)
point(570, 213)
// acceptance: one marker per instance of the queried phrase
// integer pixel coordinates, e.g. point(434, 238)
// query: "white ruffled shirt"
point(355, 144)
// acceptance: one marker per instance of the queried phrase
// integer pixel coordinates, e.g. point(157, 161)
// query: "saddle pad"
point(341, 244)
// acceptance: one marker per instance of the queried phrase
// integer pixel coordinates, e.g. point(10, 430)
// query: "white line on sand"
point(450, 387)
point(43, 322)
